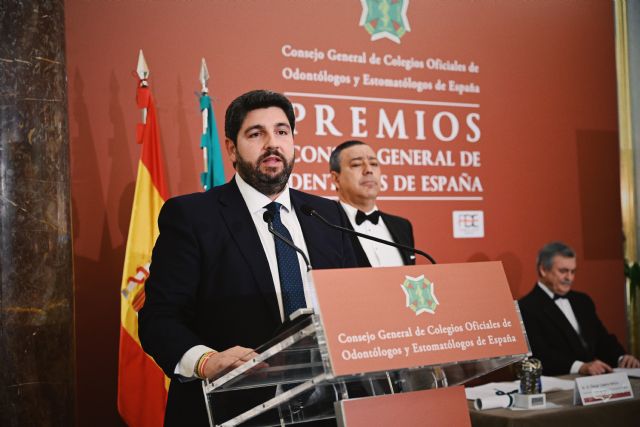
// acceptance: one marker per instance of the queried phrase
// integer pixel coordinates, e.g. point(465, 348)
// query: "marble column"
point(633, 46)
point(37, 375)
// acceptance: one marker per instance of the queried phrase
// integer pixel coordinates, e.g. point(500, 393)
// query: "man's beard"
point(268, 185)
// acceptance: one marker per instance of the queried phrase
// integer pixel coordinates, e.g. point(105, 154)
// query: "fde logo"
point(468, 224)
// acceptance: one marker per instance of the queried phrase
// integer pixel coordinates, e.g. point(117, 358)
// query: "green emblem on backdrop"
point(420, 293)
point(385, 18)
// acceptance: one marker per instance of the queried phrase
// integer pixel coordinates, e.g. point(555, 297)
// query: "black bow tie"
point(373, 217)
point(556, 296)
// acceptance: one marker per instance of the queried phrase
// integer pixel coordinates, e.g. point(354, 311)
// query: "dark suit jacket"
point(401, 232)
point(210, 284)
point(554, 341)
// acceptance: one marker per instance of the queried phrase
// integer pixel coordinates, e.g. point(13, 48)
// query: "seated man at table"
point(564, 330)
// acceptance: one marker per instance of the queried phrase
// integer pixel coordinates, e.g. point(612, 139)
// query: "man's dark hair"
point(548, 251)
point(242, 105)
point(334, 160)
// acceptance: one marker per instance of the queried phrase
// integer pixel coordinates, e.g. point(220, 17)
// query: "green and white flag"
point(209, 141)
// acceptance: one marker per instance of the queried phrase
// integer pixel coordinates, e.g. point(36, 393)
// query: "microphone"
point(309, 211)
point(268, 218)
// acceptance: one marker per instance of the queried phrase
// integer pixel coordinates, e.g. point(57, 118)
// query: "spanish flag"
point(142, 386)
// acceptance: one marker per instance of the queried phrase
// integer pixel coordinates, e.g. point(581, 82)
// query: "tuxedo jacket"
point(210, 284)
point(554, 341)
point(401, 232)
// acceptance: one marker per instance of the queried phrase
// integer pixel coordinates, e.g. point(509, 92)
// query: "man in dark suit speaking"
point(220, 285)
point(564, 330)
point(355, 171)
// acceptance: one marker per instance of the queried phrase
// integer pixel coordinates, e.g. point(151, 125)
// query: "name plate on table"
point(441, 407)
point(380, 319)
point(601, 388)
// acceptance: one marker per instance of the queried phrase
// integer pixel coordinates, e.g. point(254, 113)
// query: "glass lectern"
point(294, 374)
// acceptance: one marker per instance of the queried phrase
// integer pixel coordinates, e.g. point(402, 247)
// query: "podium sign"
point(442, 407)
point(377, 331)
point(383, 319)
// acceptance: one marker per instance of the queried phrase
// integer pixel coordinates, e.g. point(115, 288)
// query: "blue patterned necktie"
point(288, 266)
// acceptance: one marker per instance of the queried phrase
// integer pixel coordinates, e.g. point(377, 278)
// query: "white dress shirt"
point(256, 203)
point(565, 307)
point(379, 255)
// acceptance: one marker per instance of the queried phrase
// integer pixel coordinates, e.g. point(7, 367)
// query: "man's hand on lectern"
point(224, 361)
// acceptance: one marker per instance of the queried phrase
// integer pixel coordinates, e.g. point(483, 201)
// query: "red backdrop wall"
point(539, 111)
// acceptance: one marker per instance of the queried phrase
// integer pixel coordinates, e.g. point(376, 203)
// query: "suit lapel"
point(557, 317)
point(243, 232)
point(361, 255)
point(582, 323)
point(317, 247)
point(397, 236)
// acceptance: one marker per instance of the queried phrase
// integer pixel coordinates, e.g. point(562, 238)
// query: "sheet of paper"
point(548, 405)
point(553, 384)
point(632, 372)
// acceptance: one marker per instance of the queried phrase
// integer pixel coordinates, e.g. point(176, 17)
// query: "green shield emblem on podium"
point(420, 294)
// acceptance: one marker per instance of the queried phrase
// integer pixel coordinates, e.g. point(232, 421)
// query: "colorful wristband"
point(202, 362)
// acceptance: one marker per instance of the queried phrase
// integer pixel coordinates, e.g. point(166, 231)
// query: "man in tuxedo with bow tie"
point(564, 331)
point(355, 172)
point(220, 285)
